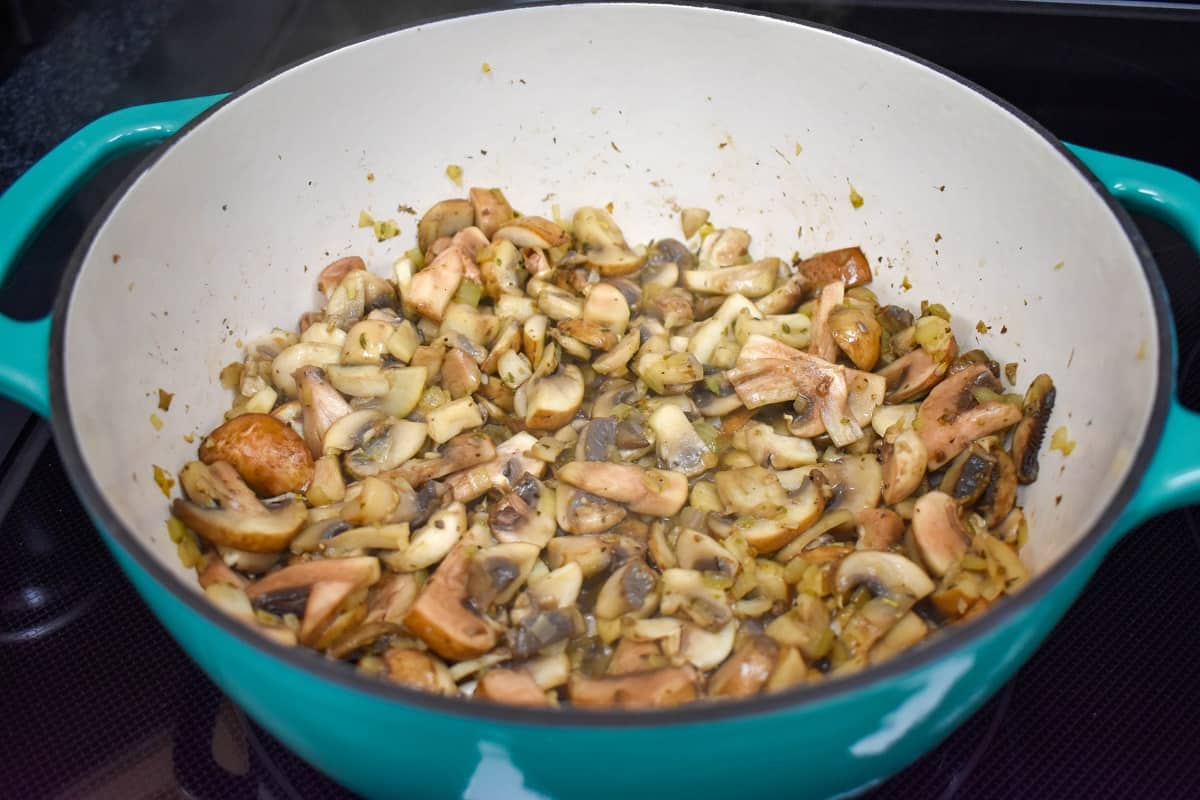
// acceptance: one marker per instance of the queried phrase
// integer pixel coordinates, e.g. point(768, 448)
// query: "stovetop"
point(98, 701)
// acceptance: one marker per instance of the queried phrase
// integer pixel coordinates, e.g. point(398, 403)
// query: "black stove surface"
point(99, 702)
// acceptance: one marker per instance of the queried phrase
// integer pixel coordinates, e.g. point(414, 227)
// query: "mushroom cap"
point(887, 574)
point(938, 531)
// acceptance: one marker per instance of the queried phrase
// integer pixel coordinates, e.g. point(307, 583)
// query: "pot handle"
point(1173, 477)
point(28, 204)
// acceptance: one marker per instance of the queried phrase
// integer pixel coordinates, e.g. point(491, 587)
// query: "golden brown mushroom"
point(660, 688)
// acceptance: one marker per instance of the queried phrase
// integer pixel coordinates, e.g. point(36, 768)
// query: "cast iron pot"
point(769, 123)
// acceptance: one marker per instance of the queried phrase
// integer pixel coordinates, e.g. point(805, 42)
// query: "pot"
point(770, 124)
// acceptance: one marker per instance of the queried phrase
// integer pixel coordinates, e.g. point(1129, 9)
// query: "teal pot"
point(768, 123)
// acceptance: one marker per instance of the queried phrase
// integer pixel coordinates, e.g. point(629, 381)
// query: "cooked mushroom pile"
point(538, 465)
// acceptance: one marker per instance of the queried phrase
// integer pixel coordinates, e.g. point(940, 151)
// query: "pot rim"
point(318, 666)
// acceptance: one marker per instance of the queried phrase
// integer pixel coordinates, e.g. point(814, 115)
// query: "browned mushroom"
point(430, 290)
point(645, 491)
point(904, 460)
point(856, 334)
point(631, 655)
point(938, 531)
point(464, 450)
point(847, 265)
point(333, 274)
point(511, 687)
point(960, 410)
point(878, 528)
point(915, 372)
point(1001, 494)
point(420, 670)
point(316, 588)
point(444, 219)
point(1027, 438)
point(491, 210)
point(660, 688)
point(440, 618)
point(746, 671)
point(822, 344)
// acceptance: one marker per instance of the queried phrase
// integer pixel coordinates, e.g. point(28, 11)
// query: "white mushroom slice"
point(770, 449)
point(431, 289)
point(324, 332)
point(405, 387)
point(256, 532)
point(793, 330)
point(302, 354)
point(350, 431)
point(603, 245)
point(533, 337)
point(321, 407)
point(677, 444)
point(725, 247)
point(938, 531)
point(404, 341)
point(516, 308)
point(631, 590)
point(444, 219)
point(498, 572)
point(559, 588)
point(803, 626)
point(536, 232)
point(366, 342)
point(755, 279)
point(857, 480)
point(823, 345)
point(705, 650)
point(526, 514)
point(549, 671)
point(432, 542)
point(374, 502)
point(558, 304)
point(864, 391)
point(372, 537)
point(550, 401)
point(491, 209)
point(363, 380)
point(751, 490)
point(510, 464)
point(698, 551)
point(607, 307)
point(593, 554)
point(327, 486)
point(746, 671)
point(662, 372)
point(615, 360)
point(888, 575)
point(498, 267)
point(907, 631)
point(915, 372)
point(388, 447)
point(645, 491)
point(692, 220)
point(332, 275)
point(685, 591)
point(904, 460)
point(803, 509)
point(581, 512)
point(886, 416)
point(446, 422)
point(477, 325)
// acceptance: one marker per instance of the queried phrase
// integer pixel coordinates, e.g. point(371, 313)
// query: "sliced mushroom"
point(878, 528)
point(660, 688)
point(511, 687)
point(1028, 435)
point(697, 551)
point(432, 542)
point(321, 406)
point(366, 342)
point(526, 514)
point(685, 591)
point(645, 491)
point(447, 421)
point(444, 219)
point(771, 449)
point(542, 629)
point(847, 265)
point(1001, 494)
point(255, 531)
point(969, 475)
point(387, 446)
point(498, 572)
point(592, 554)
point(268, 454)
point(938, 531)
point(951, 417)
point(602, 244)
point(607, 307)
point(430, 290)
point(804, 626)
point(322, 586)
point(550, 401)
point(725, 247)
point(746, 671)
point(582, 512)
point(904, 460)
point(302, 354)
point(590, 333)
point(678, 446)
point(915, 373)
point(463, 451)
point(460, 374)
point(857, 334)
point(871, 622)
point(889, 575)
point(491, 210)
point(803, 508)
point(822, 344)
point(499, 267)
point(704, 341)
point(751, 490)
point(373, 503)
point(440, 618)
point(631, 590)
point(752, 280)
point(420, 670)
point(632, 655)
point(785, 297)
point(332, 275)
point(905, 633)
point(536, 232)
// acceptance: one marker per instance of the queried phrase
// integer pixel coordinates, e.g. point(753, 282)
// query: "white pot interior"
point(766, 123)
